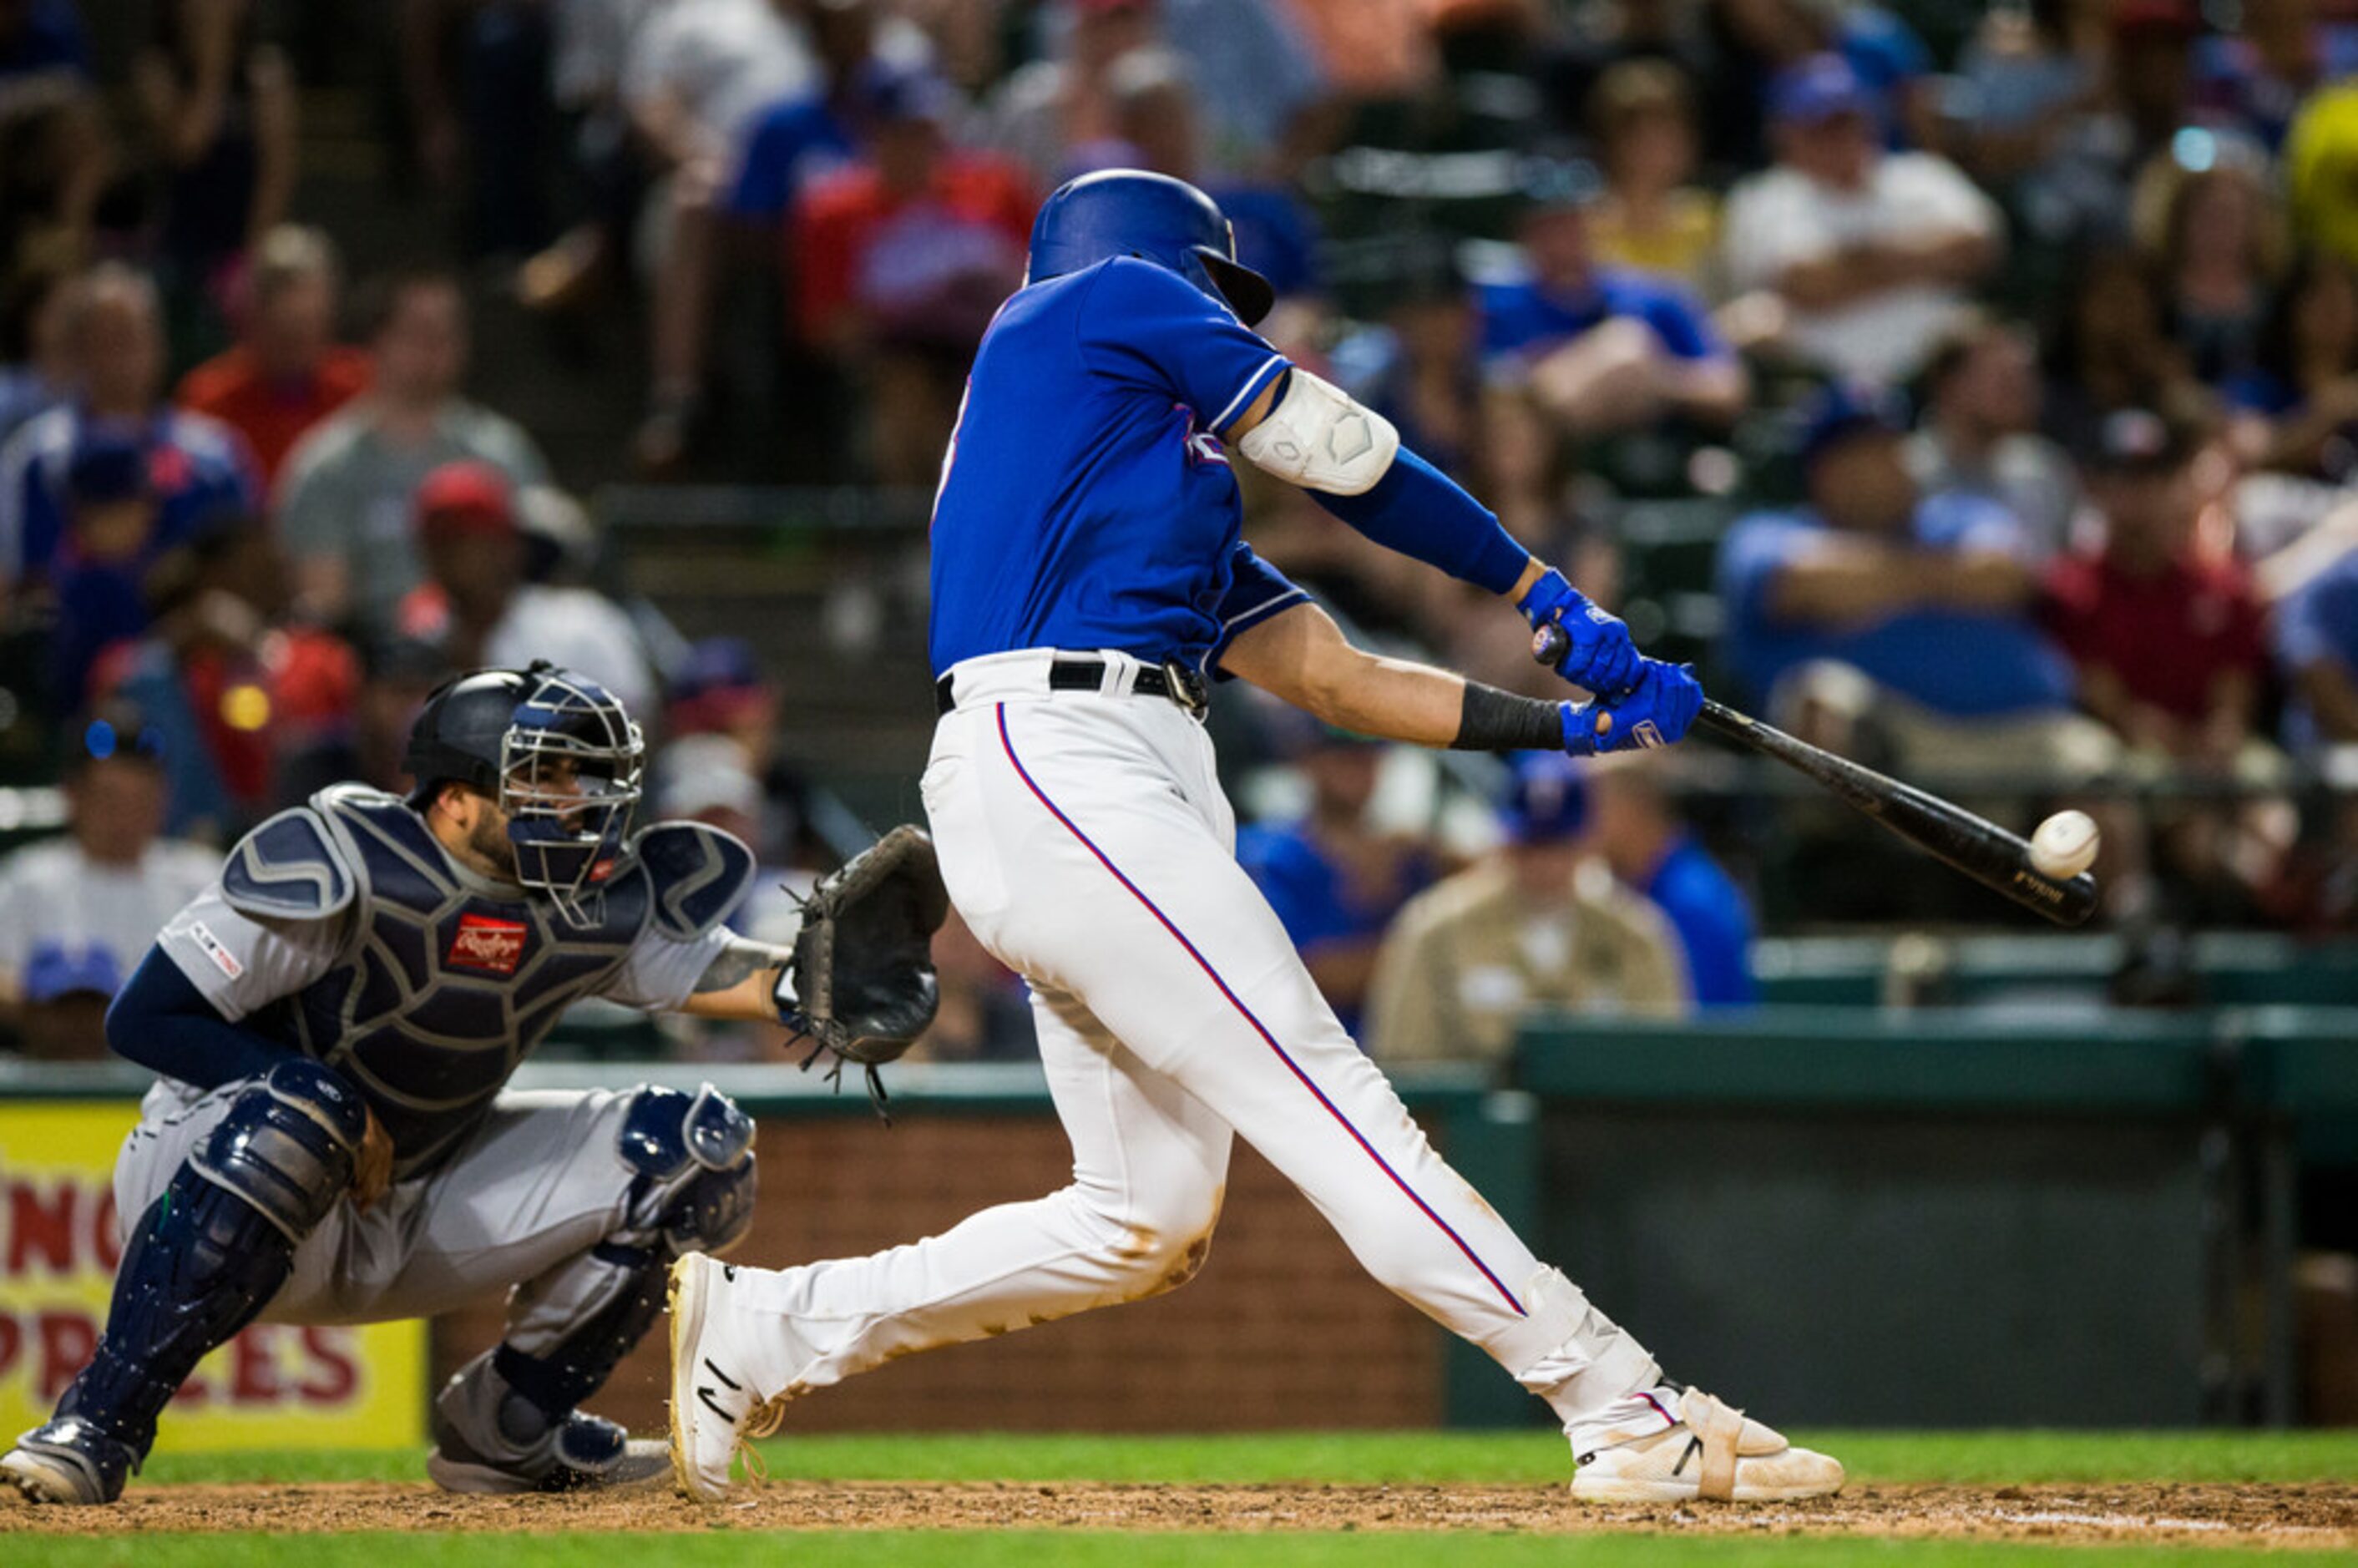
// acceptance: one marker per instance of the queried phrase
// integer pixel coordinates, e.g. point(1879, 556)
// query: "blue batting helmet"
point(1130, 212)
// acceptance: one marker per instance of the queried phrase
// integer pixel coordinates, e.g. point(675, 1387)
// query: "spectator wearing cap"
point(230, 686)
point(718, 688)
point(1871, 252)
point(1334, 881)
point(1979, 431)
point(1574, 350)
point(110, 536)
point(477, 603)
point(1637, 831)
point(78, 912)
point(347, 496)
point(1877, 601)
point(2171, 648)
point(286, 372)
point(192, 465)
point(1538, 924)
point(2169, 639)
point(900, 261)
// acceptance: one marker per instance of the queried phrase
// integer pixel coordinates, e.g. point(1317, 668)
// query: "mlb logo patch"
point(494, 946)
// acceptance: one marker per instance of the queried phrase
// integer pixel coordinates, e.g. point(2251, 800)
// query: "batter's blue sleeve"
point(1147, 326)
point(162, 1021)
point(1424, 513)
point(1256, 590)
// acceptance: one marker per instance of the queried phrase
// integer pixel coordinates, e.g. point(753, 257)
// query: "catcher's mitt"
point(863, 969)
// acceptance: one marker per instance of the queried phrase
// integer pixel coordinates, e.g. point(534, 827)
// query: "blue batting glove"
point(1598, 656)
point(1579, 720)
point(1657, 710)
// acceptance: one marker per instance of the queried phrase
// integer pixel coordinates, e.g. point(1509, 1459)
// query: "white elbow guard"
point(1318, 438)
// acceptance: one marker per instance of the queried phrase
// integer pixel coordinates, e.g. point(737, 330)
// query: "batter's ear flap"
point(1248, 293)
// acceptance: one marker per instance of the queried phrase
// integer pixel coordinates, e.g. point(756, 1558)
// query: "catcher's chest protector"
point(440, 992)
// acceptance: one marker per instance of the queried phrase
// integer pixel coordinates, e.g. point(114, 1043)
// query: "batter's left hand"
point(373, 1166)
point(1587, 645)
point(1658, 710)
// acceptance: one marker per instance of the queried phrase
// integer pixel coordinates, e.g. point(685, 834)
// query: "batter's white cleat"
point(1674, 1444)
point(716, 1406)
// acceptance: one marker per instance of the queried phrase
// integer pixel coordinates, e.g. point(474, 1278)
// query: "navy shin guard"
point(209, 1253)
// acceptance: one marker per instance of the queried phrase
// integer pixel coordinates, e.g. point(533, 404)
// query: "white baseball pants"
point(1085, 838)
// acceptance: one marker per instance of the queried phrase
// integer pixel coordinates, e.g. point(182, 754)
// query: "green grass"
point(1342, 1458)
point(1964, 1459)
point(1036, 1549)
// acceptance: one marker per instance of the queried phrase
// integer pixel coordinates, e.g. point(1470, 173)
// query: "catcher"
point(334, 1021)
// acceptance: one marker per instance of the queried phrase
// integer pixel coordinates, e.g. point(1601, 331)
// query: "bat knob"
point(1550, 643)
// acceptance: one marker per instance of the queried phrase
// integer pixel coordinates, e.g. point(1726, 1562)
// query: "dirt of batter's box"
point(2304, 1516)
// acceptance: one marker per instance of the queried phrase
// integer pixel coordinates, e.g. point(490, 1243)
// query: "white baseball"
point(2064, 846)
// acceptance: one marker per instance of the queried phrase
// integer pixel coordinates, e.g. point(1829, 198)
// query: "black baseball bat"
point(1980, 849)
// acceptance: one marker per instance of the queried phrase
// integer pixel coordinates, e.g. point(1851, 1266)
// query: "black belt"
point(1173, 682)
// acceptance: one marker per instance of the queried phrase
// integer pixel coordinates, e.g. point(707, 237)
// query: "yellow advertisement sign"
point(274, 1385)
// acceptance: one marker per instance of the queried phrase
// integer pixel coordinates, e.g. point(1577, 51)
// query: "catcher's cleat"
point(1674, 1444)
point(68, 1461)
point(587, 1453)
point(717, 1406)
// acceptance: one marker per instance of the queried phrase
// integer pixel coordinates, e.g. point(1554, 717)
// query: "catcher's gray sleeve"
point(240, 962)
point(661, 971)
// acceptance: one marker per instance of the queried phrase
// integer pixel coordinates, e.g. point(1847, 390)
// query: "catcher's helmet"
point(1130, 212)
point(560, 755)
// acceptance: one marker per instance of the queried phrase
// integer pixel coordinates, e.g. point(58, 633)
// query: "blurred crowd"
point(1973, 388)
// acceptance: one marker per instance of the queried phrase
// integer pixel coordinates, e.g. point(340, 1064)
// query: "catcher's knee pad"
point(287, 1145)
point(212, 1250)
point(692, 1158)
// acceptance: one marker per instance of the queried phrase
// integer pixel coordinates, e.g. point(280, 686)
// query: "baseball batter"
point(334, 1020)
point(1089, 581)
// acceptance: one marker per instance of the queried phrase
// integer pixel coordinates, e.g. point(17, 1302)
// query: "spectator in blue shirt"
point(1640, 834)
point(1574, 350)
point(1878, 603)
point(1335, 883)
point(190, 465)
point(2317, 649)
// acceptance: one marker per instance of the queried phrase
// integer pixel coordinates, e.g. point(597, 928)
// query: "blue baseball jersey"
point(1086, 503)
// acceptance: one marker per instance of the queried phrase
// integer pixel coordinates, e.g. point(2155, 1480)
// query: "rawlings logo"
point(494, 947)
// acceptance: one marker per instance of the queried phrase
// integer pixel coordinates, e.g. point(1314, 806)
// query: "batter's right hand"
point(1657, 710)
point(1588, 646)
point(373, 1166)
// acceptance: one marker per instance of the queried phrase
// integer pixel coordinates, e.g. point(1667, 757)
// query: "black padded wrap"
point(1495, 720)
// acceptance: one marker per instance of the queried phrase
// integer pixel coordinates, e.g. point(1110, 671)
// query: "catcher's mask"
point(572, 763)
